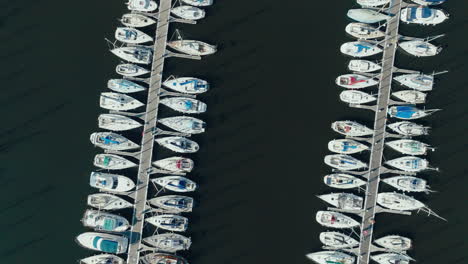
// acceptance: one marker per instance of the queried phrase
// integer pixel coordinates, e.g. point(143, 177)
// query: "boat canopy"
point(405, 111)
point(105, 245)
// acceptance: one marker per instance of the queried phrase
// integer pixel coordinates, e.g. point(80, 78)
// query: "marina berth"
point(422, 15)
point(359, 49)
point(168, 242)
point(178, 144)
point(112, 141)
point(170, 222)
point(363, 31)
point(398, 201)
point(112, 162)
point(363, 66)
point(386, 258)
point(420, 48)
point(356, 97)
point(134, 54)
point(355, 81)
point(119, 102)
point(111, 182)
point(176, 183)
point(135, 20)
point(409, 146)
point(102, 221)
point(188, 12)
point(192, 47)
point(346, 201)
point(410, 129)
point(160, 258)
point(394, 242)
point(188, 85)
point(102, 259)
point(130, 70)
point(408, 112)
point(184, 124)
point(337, 240)
point(131, 36)
point(124, 86)
point(372, 3)
point(105, 201)
point(407, 183)
point(173, 203)
point(184, 105)
point(351, 128)
point(411, 96)
point(198, 2)
point(175, 164)
point(417, 81)
point(335, 220)
point(346, 146)
point(343, 181)
point(331, 257)
point(142, 5)
point(103, 242)
point(409, 163)
point(429, 2)
point(368, 16)
point(116, 122)
point(344, 162)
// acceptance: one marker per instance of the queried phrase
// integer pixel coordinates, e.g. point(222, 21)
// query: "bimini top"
point(425, 13)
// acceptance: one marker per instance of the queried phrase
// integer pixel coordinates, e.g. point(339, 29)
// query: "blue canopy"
point(106, 245)
point(361, 47)
point(426, 12)
point(405, 111)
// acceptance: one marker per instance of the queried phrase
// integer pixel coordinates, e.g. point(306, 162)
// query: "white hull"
point(142, 5)
point(176, 183)
point(367, 16)
point(188, 12)
point(112, 141)
point(102, 258)
point(175, 223)
point(409, 112)
point(111, 182)
point(103, 242)
point(173, 203)
point(117, 122)
point(337, 240)
point(112, 162)
point(359, 49)
point(398, 201)
point(344, 162)
point(175, 164)
point(178, 144)
point(331, 257)
point(363, 66)
point(394, 242)
point(411, 96)
point(104, 201)
point(407, 183)
point(131, 35)
point(188, 85)
point(425, 2)
point(347, 201)
point(408, 146)
point(420, 48)
point(184, 124)
point(390, 258)
point(351, 128)
point(417, 81)
point(356, 97)
point(168, 242)
point(136, 20)
point(135, 54)
point(407, 128)
point(363, 31)
point(192, 47)
point(198, 2)
point(346, 146)
point(355, 81)
point(372, 3)
point(119, 102)
point(335, 220)
point(130, 70)
point(162, 258)
point(422, 16)
point(409, 163)
point(184, 105)
point(124, 86)
point(343, 181)
point(101, 221)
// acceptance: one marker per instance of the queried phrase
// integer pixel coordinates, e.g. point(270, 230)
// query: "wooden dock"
point(378, 142)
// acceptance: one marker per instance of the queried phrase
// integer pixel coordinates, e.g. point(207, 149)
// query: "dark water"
point(260, 164)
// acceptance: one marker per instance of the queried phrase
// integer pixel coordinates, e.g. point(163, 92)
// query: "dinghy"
point(363, 66)
point(337, 240)
point(105, 201)
point(178, 144)
point(124, 86)
point(184, 105)
point(359, 49)
point(387, 258)
point(176, 183)
point(420, 48)
point(335, 220)
point(117, 122)
point(408, 146)
point(103, 242)
point(136, 20)
point(188, 85)
point(356, 97)
point(102, 259)
point(106, 222)
point(343, 181)
point(422, 15)
point(411, 96)
point(394, 242)
point(410, 129)
point(142, 5)
point(112, 141)
point(111, 182)
point(346, 146)
point(184, 124)
point(363, 31)
point(346, 201)
point(417, 81)
point(131, 36)
point(409, 163)
point(344, 162)
point(408, 112)
point(188, 12)
point(351, 128)
point(162, 258)
point(192, 47)
point(355, 81)
point(168, 242)
point(367, 16)
point(112, 162)
point(198, 2)
point(175, 164)
point(170, 222)
point(398, 201)
point(130, 70)
point(119, 102)
point(331, 257)
point(173, 203)
point(135, 54)
point(407, 183)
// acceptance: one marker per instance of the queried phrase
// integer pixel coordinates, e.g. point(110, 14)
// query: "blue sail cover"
point(405, 112)
point(412, 13)
point(361, 47)
point(426, 12)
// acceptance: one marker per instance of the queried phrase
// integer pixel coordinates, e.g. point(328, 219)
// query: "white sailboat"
point(184, 105)
point(112, 162)
point(131, 36)
point(344, 162)
point(102, 221)
point(170, 222)
point(188, 12)
point(176, 183)
point(346, 146)
point(173, 203)
point(417, 81)
point(331, 257)
point(162, 258)
point(192, 47)
point(409, 163)
point(198, 2)
point(394, 242)
point(409, 146)
point(346, 201)
point(410, 129)
point(105, 201)
point(372, 3)
point(398, 201)
point(168, 242)
point(387, 258)
point(359, 49)
point(343, 181)
point(184, 124)
point(102, 259)
point(355, 81)
point(420, 48)
point(103, 242)
point(429, 2)
point(411, 96)
point(422, 15)
point(112, 141)
point(118, 102)
point(175, 164)
point(351, 128)
point(368, 16)
point(363, 66)
point(142, 5)
point(136, 20)
point(116, 122)
point(363, 31)
point(130, 70)
point(407, 183)
point(111, 182)
point(189, 85)
point(135, 54)
point(408, 112)
point(356, 97)
point(124, 86)
point(337, 240)
point(178, 144)
point(335, 220)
